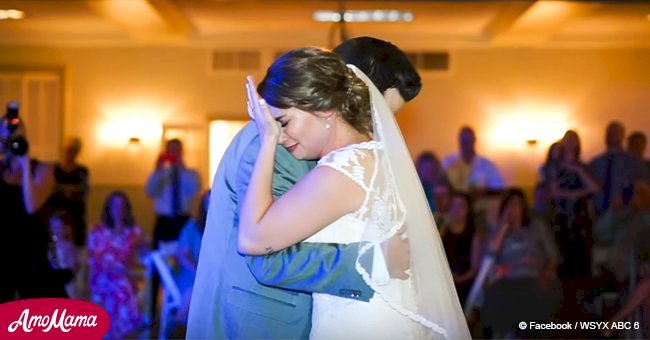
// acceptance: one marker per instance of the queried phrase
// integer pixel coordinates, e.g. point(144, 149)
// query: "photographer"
point(173, 187)
point(25, 186)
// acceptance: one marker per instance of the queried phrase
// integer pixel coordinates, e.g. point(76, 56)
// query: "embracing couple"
point(327, 235)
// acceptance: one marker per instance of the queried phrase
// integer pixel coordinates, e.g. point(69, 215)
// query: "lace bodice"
point(381, 210)
point(351, 161)
point(356, 162)
point(381, 213)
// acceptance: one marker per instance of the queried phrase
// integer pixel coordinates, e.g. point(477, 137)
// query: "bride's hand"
point(259, 111)
point(397, 253)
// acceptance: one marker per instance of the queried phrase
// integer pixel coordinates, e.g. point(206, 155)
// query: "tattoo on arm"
point(269, 249)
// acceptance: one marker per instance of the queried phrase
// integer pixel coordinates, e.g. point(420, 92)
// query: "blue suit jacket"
point(232, 296)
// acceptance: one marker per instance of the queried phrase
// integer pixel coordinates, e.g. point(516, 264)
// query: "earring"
point(327, 125)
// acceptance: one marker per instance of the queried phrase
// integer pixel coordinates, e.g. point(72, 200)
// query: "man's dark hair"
point(384, 63)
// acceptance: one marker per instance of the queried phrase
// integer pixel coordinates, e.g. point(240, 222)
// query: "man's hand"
point(397, 253)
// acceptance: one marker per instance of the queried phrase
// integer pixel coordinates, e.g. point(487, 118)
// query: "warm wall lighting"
point(123, 131)
point(11, 14)
point(527, 126)
point(129, 125)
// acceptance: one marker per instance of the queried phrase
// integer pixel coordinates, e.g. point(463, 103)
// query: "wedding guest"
point(64, 253)
point(523, 285)
point(25, 186)
point(72, 188)
point(636, 145)
point(431, 175)
point(172, 186)
point(469, 172)
point(616, 170)
point(572, 187)
point(113, 248)
point(462, 243)
point(71, 196)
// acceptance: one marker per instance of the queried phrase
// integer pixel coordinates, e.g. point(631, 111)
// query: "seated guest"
point(442, 201)
point(431, 175)
point(113, 246)
point(63, 251)
point(462, 244)
point(626, 228)
point(639, 298)
point(523, 285)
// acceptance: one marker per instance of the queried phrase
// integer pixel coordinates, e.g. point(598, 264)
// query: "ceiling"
point(560, 24)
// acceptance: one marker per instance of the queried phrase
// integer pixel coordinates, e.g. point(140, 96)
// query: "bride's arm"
point(317, 200)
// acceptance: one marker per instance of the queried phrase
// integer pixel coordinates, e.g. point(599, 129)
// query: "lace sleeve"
point(353, 161)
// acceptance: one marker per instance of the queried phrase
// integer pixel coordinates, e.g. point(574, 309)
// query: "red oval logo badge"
point(51, 318)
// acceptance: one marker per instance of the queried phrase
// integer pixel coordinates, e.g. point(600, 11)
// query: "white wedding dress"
point(336, 317)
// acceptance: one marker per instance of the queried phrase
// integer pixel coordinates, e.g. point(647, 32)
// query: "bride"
point(364, 190)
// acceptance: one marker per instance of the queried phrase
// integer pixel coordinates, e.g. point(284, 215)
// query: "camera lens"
point(17, 145)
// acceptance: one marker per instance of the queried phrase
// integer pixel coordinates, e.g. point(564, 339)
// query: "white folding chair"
point(172, 297)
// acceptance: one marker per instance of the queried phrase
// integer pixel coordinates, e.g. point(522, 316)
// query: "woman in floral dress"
point(112, 246)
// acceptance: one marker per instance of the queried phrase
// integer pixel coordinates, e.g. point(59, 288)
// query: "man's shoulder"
point(450, 159)
point(484, 161)
point(245, 141)
point(598, 159)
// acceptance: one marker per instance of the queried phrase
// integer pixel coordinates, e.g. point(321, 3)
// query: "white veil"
point(396, 199)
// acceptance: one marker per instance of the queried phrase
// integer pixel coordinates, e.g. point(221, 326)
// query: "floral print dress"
point(111, 255)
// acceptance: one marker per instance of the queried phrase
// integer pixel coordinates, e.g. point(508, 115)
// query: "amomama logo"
point(52, 319)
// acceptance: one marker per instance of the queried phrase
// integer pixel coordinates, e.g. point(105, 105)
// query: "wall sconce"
point(531, 142)
point(527, 125)
point(132, 131)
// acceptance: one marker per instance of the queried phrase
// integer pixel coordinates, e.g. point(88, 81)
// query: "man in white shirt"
point(172, 186)
point(468, 172)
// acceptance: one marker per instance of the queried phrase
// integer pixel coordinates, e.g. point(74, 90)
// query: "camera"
point(15, 145)
point(169, 158)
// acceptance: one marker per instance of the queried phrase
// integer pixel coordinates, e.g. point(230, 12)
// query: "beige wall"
point(159, 85)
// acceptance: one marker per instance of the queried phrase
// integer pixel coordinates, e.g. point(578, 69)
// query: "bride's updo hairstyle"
point(314, 80)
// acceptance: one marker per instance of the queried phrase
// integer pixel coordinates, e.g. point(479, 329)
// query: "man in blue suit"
point(269, 296)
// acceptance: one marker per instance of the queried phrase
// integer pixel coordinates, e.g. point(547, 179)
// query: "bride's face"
point(304, 134)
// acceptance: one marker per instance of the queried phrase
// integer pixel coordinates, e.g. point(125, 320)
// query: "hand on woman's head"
point(259, 111)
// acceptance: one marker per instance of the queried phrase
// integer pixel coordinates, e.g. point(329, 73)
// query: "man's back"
point(227, 301)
